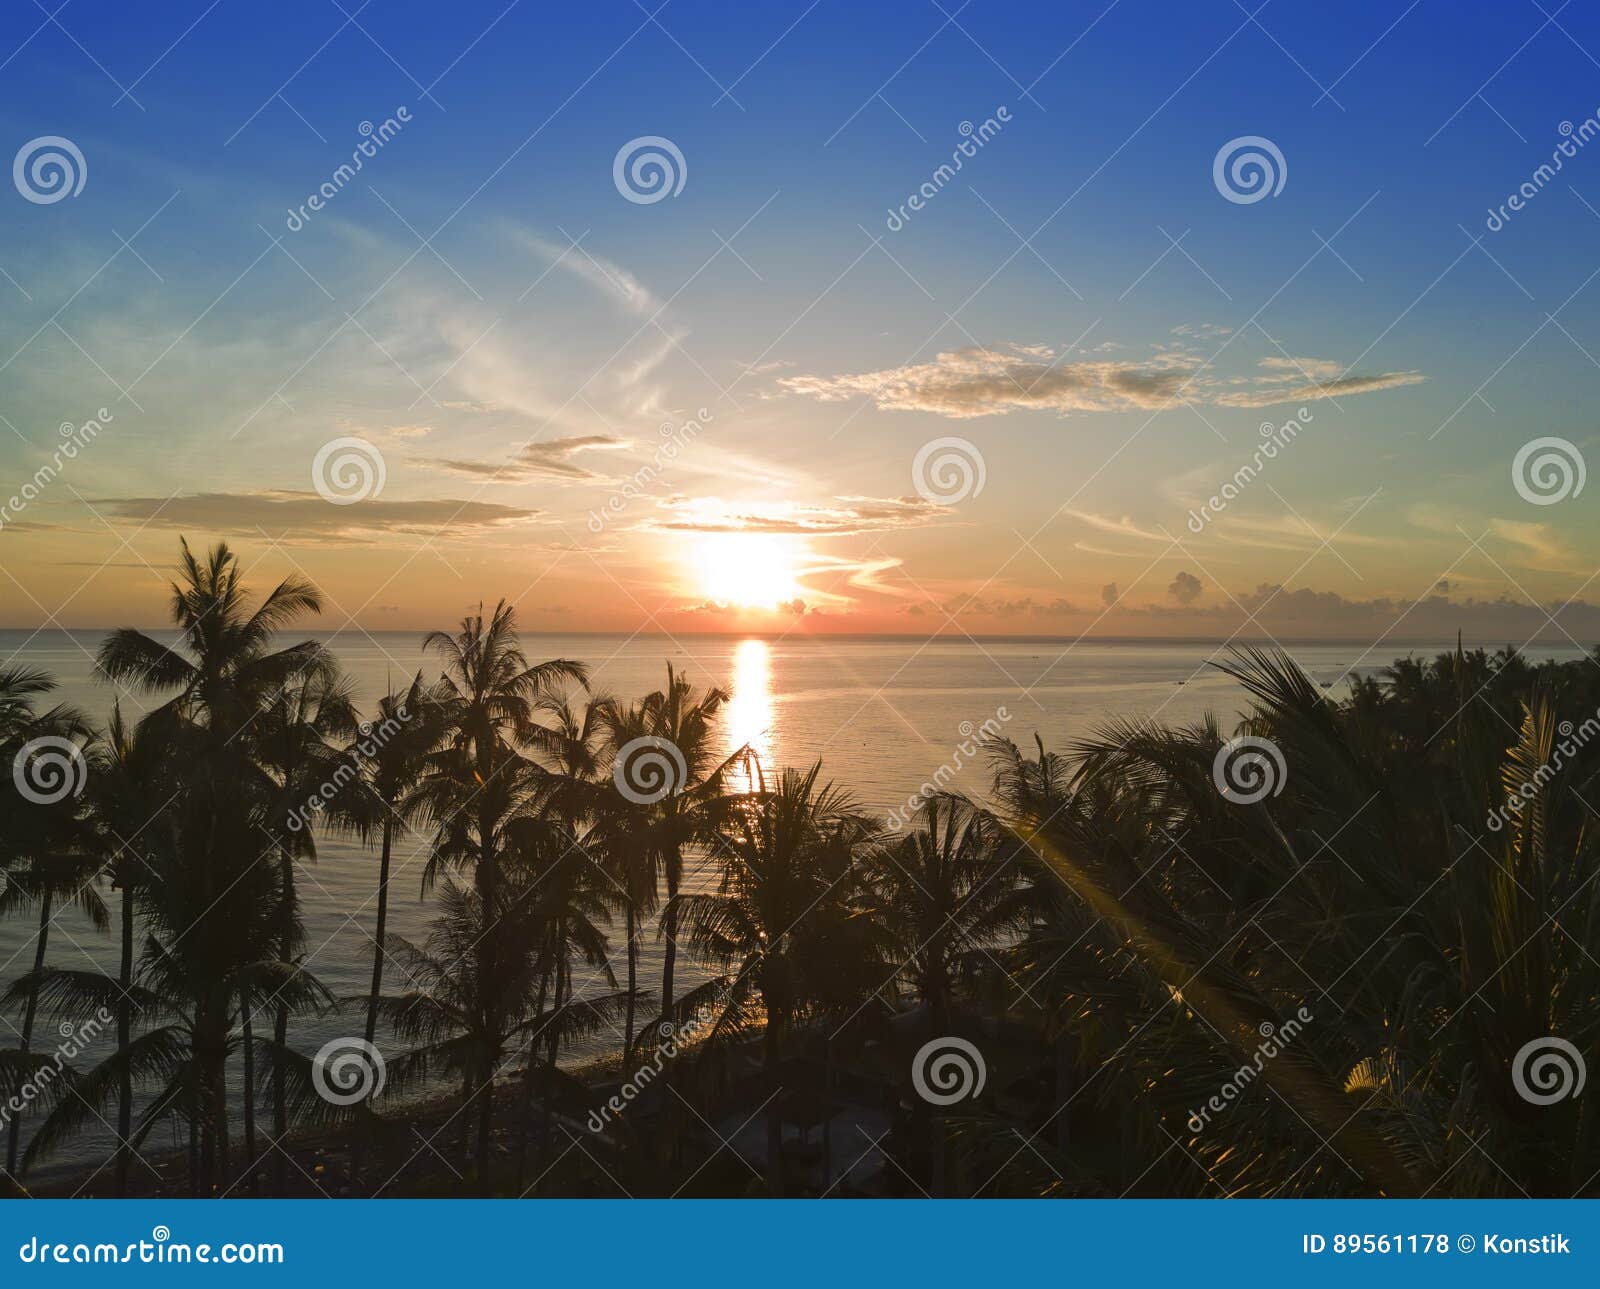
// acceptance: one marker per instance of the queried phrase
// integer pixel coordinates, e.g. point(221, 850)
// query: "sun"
point(750, 570)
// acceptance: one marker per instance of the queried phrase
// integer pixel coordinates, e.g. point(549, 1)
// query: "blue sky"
point(1113, 330)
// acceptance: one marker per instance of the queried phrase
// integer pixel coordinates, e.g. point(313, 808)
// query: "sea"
point(884, 716)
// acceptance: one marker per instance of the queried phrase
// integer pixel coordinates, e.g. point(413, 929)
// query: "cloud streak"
point(546, 459)
point(846, 516)
point(974, 382)
point(304, 517)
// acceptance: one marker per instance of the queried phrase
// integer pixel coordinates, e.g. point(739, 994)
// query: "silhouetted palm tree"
point(942, 894)
point(50, 857)
point(686, 718)
point(256, 720)
point(773, 926)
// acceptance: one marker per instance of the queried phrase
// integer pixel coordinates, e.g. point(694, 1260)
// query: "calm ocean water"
point(883, 716)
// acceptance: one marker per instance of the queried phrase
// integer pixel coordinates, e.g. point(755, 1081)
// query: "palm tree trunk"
point(669, 928)
point(248, 1029)
point(364, 1140)
point(383, 921)
point(14, 1131)
point(563, 987)
point(527, 1086)
point(280, 1034)
point(219, 1109)
point(125, 1034)
point(633, 979)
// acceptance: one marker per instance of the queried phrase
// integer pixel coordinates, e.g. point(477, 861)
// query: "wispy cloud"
point(606, 276)
point(1270, 394)
point(1009, 377)
point(844, 516)
point(549, 459)
point(987, 382)
point(305, 517)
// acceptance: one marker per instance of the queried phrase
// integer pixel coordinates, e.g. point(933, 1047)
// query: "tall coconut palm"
point(386, 765)
point(133, 780)
point(375, 792)
point(775, 924)
point(462, 1022)
point(572, 894)
point(296, 737)
point(211, 939)
point(942, 895)
point(256, 718)
point(480, 779)
point(46, 839)
point(492, 694)
point(686, 718)
point(627, 836)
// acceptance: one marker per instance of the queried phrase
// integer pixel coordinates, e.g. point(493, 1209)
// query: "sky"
point(907, 318)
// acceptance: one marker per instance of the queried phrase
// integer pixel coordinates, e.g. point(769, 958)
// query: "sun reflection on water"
point(750, 706)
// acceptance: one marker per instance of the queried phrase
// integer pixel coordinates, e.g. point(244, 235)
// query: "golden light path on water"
point(750, 705)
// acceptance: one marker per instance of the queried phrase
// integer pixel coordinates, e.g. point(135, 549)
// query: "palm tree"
point(256, 719)
point(386, 767)
point(492, 693)
point(296, 737)
point(1429, 930)
point(211, 939)
point(46, 840)
point(628, 838)
point(132, 780)
point(685, 718)
point(942, 895)
point(572, 894)
point(463, 1022)
point(479, 780)
point(778, 924)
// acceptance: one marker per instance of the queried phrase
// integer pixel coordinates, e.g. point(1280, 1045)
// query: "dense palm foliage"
point(1330, 986)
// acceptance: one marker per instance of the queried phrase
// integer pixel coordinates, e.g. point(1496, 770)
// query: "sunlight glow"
point(749, 570)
